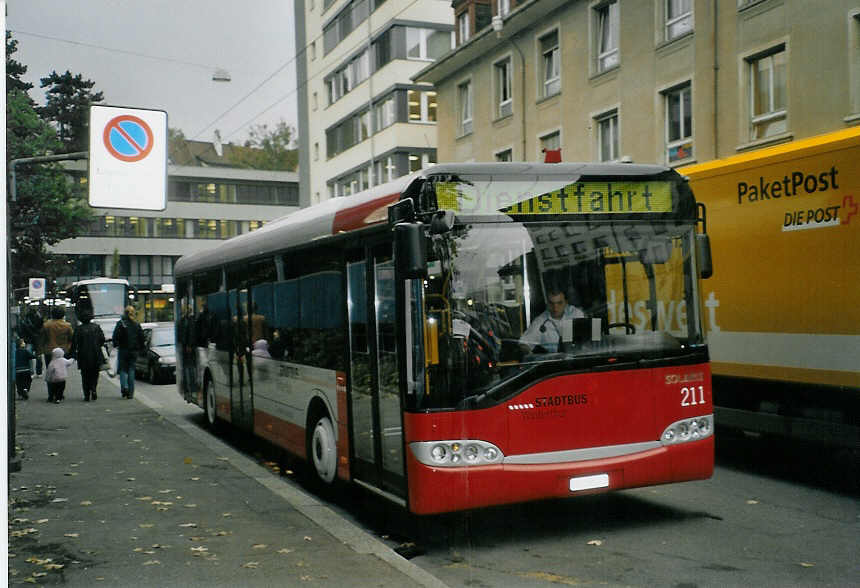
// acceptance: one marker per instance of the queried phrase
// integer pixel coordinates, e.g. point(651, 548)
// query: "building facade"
point(362, 120)
point(204, 204)
point(669, 81)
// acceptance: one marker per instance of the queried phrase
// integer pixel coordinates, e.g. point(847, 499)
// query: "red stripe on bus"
point(359, 216)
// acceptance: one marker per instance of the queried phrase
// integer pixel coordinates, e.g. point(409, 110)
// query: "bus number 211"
point(692, 396)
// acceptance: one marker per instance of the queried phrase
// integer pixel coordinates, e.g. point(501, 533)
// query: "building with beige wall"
point(362, 120)
point(669, 81)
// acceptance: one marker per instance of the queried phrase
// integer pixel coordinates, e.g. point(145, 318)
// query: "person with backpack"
point(87, 343)
point(128, 340)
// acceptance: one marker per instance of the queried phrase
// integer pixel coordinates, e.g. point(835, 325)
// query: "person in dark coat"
point(56, 332)
point(128, 340)
point(23, 372)
point(87, 344)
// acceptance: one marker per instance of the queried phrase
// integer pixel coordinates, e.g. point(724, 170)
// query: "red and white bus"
point(471, 335)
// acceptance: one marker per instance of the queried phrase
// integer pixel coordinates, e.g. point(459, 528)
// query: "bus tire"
point(322, 449)
point(209, 406)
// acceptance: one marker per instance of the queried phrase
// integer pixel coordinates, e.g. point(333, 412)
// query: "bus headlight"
point(692, 429)
point(456, 453)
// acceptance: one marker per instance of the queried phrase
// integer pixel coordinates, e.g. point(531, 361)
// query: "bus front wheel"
point(322, 449)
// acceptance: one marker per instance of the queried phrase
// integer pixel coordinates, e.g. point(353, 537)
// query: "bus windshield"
point(505, 300)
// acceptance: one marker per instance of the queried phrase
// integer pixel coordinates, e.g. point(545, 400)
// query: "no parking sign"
point(128, 158)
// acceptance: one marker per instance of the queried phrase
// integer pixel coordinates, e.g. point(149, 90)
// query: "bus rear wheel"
point(209, 406)
point(322, 450)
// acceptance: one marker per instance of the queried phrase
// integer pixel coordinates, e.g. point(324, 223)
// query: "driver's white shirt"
point(551, 334)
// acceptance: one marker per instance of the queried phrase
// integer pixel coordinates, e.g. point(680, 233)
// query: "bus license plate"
point(589, 482)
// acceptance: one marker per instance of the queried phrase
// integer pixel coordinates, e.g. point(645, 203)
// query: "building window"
point(505, 155)
point(679, 124)
point(551, 64)
point(607, 136)
point(463, 30)
point(768, 94)
point(504, 96)
point(383, 114)
point(313, 50)
point(316, 101)
point(503, 7)
point(679, 18)
point(422, 106)
point(550, 142)
point(464, 96)
point(607, 35)
point(427, 44)
point(316, 151)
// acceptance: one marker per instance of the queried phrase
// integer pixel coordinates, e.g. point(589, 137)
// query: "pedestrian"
point(31, 327)
point(23, 371)
point(128, 340)
point(56, 375)
point(56, 332)
point(87, 344)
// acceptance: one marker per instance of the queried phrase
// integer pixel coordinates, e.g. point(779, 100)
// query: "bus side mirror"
point(703, 256)
point(410, 250)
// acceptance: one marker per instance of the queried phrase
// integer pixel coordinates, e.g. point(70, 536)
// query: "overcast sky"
point(162, 54)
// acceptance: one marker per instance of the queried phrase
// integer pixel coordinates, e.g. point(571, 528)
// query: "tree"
point(269, 149)
point(67, 104)
point(49, 206)
point(14, 69)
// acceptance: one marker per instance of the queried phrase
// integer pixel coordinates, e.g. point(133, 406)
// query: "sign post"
point(128, 158)
point(37, 289)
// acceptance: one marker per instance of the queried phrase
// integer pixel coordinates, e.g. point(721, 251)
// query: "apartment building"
point(362, 120)
point(670, 81)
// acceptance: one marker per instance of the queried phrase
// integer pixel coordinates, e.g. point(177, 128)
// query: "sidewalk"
point(111, 493)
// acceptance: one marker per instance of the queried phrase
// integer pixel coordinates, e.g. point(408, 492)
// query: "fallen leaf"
point(138, 549)
point(752, 501)
point(72, 535)
point(20, 521)
point(285, 550)
point(187, 460)
point(168, 491)
point(200, 548)
point(259, 546)
point(597, 542)
point(306, 578)
point(308, 538)
point(39, 562)
point(190, 506)
point(41, 521)
point(144, 498)
point(86, 502)
point(227, 514)
point(53, 454)
point(146, 525)
point(807, 564)
point(221, 533)
point(188, 525)
point(53, 566)
point(60, 500)
point(130, 479)
point(251, 564)
point(152, 562)
point(195, 478)
point(224, 459)
point(39, 574)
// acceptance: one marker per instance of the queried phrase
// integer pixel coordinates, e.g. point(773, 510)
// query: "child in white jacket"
point(56, 375)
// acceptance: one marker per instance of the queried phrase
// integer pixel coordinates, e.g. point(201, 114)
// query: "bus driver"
point(545, 330)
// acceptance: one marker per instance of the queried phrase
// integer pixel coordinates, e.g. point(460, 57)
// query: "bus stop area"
point(117, 493)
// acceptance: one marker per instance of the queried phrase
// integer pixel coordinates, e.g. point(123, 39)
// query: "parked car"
point(158, 361)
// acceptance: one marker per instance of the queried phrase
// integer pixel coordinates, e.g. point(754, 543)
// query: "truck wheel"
point(209, 407)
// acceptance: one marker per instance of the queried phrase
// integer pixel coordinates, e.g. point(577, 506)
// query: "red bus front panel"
point(605, 429)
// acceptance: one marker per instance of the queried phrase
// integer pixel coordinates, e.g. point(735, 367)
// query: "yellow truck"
point(782, 310)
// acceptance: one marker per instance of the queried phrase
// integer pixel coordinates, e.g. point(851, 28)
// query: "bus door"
point(241, 403)
point(377, 424)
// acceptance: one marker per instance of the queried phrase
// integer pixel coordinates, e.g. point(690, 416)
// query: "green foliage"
point(270, 149)
point(14, 69)
point(67, 104)
point(49, 206)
